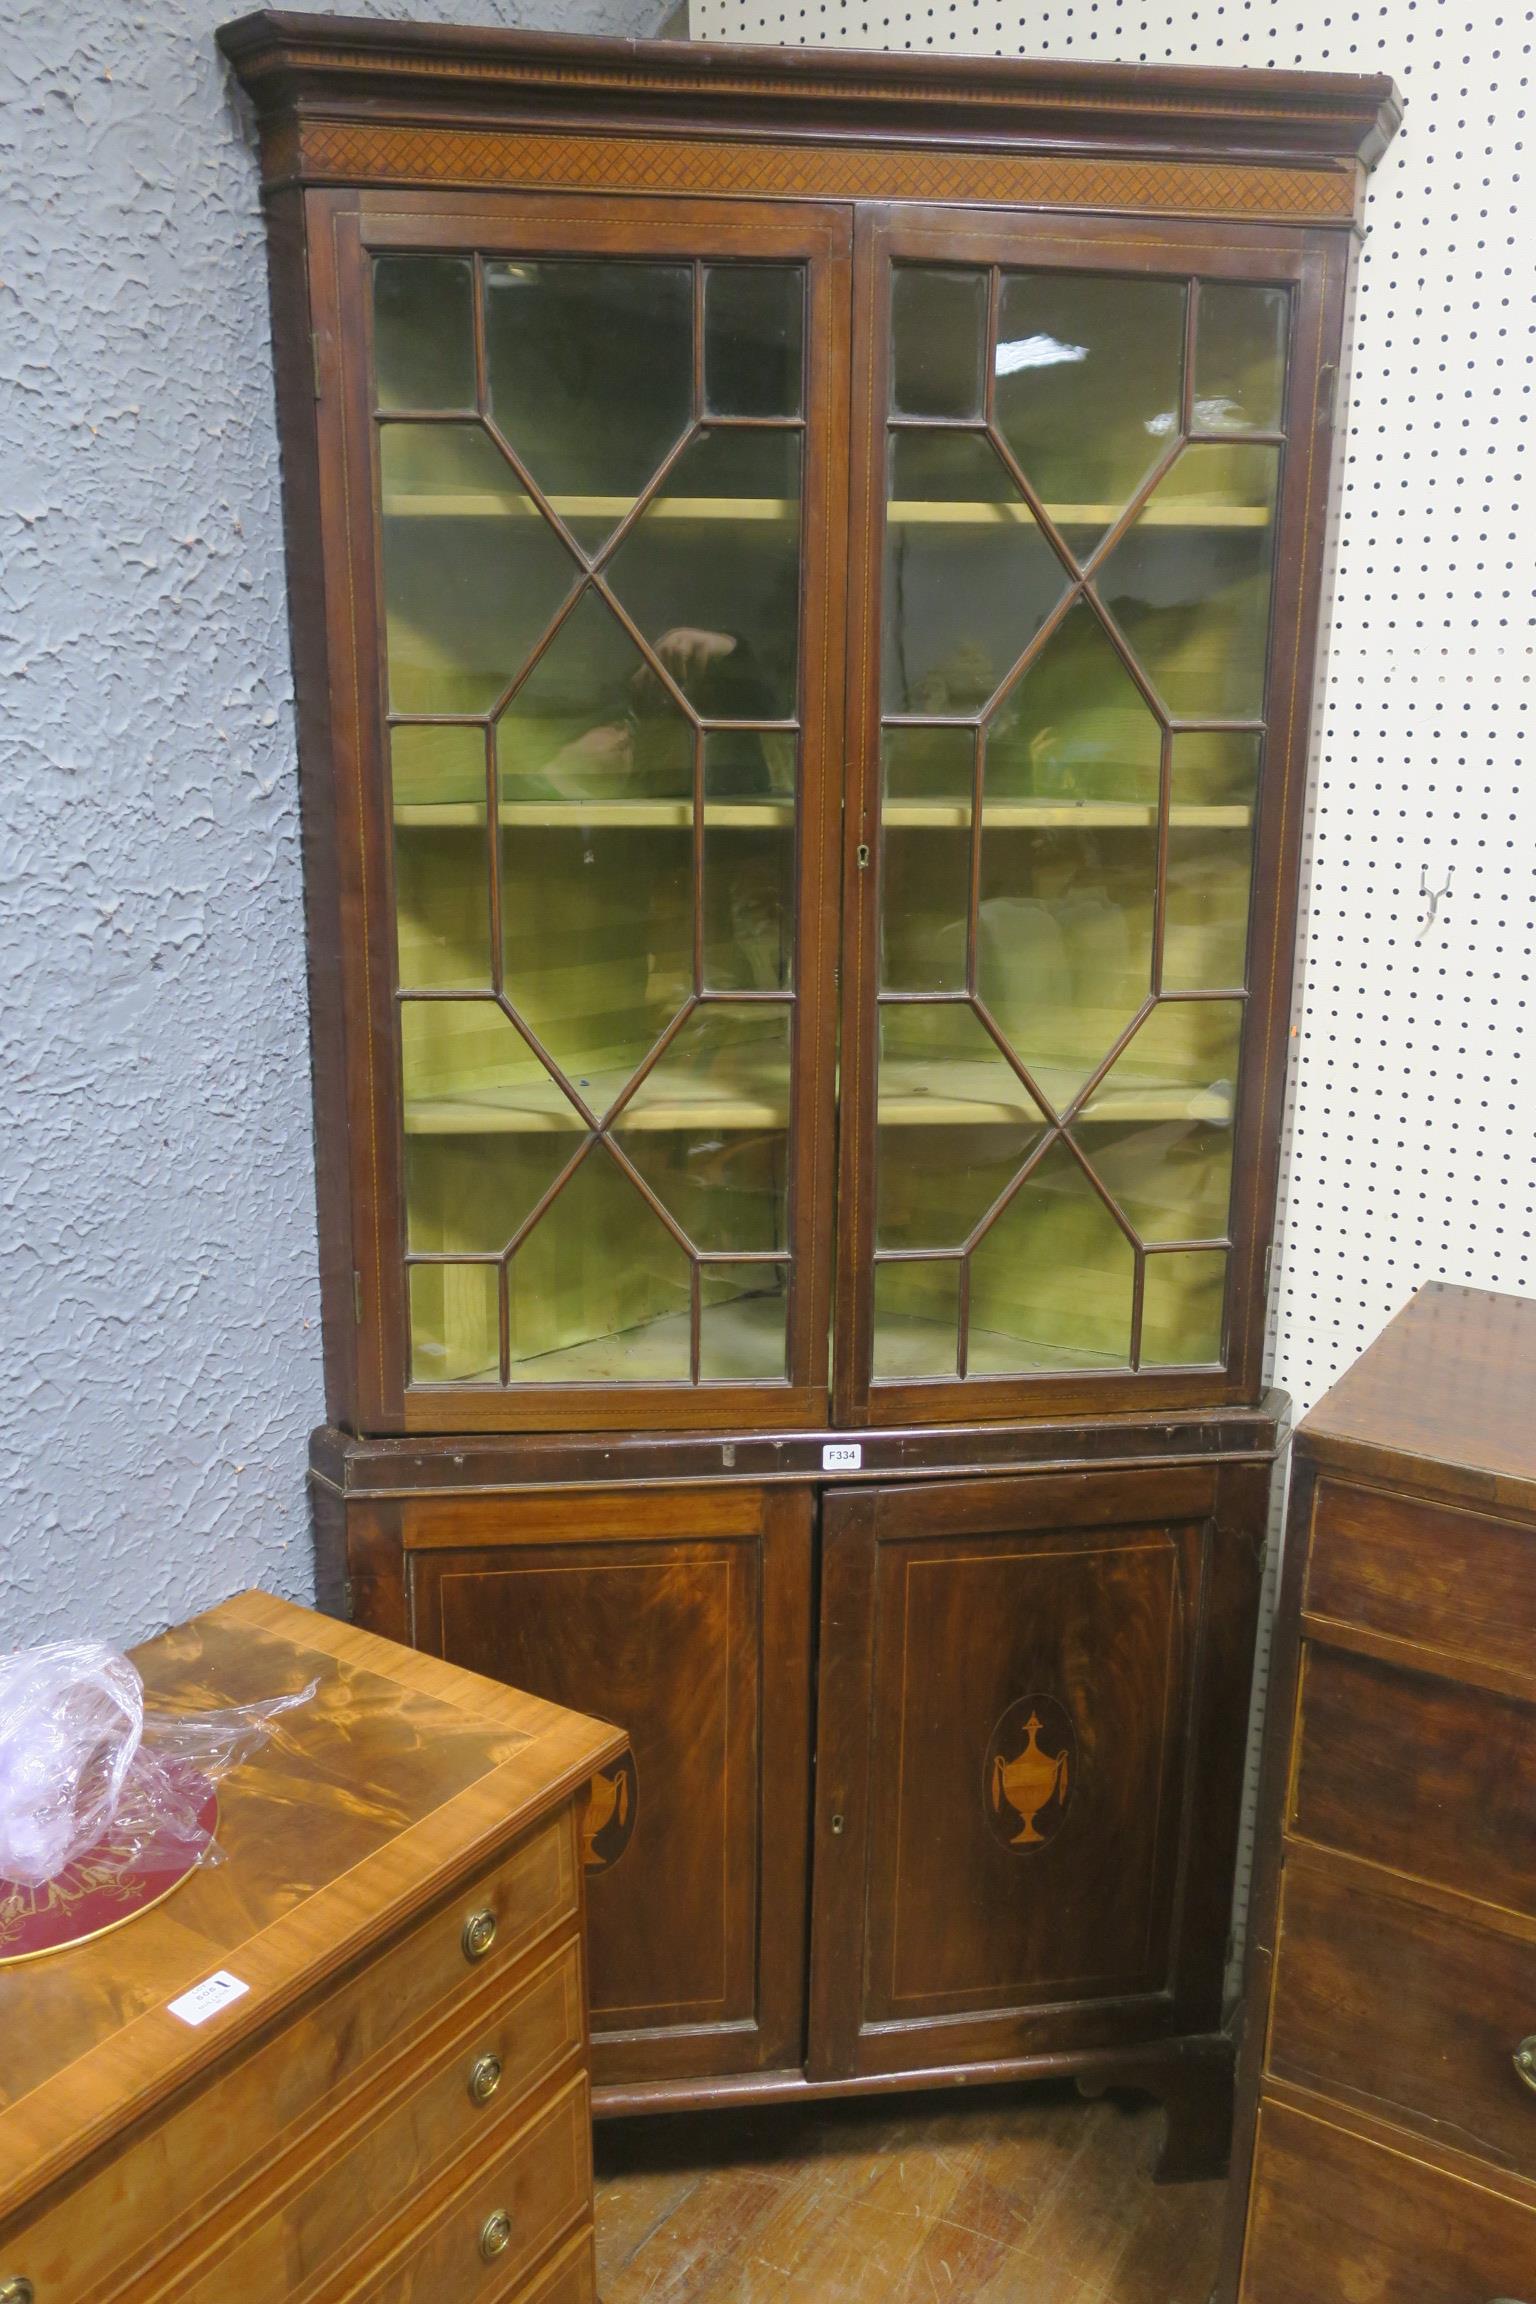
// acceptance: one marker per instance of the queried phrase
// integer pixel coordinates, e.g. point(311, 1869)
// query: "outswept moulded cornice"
point(345, 66)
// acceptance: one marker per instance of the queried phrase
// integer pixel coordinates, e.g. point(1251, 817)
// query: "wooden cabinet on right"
point(1386, 2141)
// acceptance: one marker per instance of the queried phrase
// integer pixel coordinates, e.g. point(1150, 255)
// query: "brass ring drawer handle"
point(16, 2292)
point(484, 2078)
point(479, 1935)
point(1525, 2066)
point(495, 2235)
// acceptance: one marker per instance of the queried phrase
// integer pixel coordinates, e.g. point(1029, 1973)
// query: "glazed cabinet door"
point(593, 459)
point(1028, 1770)
point(684, 1616)
point(1091, 511)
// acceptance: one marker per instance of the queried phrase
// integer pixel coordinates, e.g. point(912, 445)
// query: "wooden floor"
point(1006, 2197)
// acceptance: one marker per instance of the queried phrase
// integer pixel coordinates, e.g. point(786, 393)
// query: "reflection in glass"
point(442, 877)
point(1052, 1280)
point(455, 1323)
point(719, 597)
point(925, 896)
point(933, 764)
point(471, 1194)
point(1189, 584)
point(754, 327)
point(438, 768)
point(1087, 418)
point(465, 1069)
point(1216, 767)
point(742, 1314)
point(917, 1320)
point(969, 578)
point(708, 1127)
point(749, 899)
point(599, 1291)
point(1205, 916)
point(424, 332)
point(472, 571)
point(1183, 1305)
point(1180, 1063)
point(1074, 726)
point(590, 366)
point(938, 341)
point(592, 721)
point(1240, 357)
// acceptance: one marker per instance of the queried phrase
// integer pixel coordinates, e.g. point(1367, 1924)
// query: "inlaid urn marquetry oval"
point(609, 1821)
point(1031, 1772)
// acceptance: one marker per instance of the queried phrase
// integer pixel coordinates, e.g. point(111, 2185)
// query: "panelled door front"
point(1089, 500)
point(1012, 1716)
point(594, 517)
point(684, 1616)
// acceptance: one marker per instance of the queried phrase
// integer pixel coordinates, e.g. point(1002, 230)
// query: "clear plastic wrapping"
point(86, 1769)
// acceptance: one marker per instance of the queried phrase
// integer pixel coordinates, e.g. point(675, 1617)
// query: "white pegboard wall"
point(1410, 1133)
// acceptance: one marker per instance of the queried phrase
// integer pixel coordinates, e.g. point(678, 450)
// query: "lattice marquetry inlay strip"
point(365, 152)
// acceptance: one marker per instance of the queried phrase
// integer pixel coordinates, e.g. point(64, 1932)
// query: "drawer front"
point(362, 2190)
point(1334, 2220)
point(541, 2183)
point(1431, 1780)
point(1462, 1582)
point(1417, 2012)
point(162, 2186)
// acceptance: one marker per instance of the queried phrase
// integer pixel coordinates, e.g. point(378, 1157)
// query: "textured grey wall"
point(159, 1348)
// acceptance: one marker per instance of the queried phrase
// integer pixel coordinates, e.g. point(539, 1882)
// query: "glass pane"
point(754, 325)
point(969, 578)
point(711, 573)
point(708, 1127)
point(1171, 1179)
point(1189, 585)
point(1240, 358)
point(473, 572)
point(455, 1323)
point(925, 900)
point(1064, 944)
point(597, 939)
point(1205, 919)
point(741, 763)
point(1180, 1064)
point(1052, 1281)
point(1182, 1306)
point(443, 906)
point(1215, 768)
point(1090, 374)
point(470, 1195)
point(424, 332)
point(917, 1320)
point(1074, 727)
point(437, 774)
point(592, 722)
point(742, 1314)
point(956, 1124)
point(590, 367)
point(466, 1070)
point(938, 341)
point(599, 1291)
point(749, 896)
point(929, 764)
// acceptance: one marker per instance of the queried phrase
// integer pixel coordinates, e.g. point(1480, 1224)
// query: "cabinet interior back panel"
point(1410, 1142)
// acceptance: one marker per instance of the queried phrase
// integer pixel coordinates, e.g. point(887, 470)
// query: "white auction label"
point(206, 1999)
point(842, 1456)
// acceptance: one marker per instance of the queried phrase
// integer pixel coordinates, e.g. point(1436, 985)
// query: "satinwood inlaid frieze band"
point(382, 152)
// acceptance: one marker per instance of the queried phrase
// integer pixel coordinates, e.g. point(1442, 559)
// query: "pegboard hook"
point(1432, 897)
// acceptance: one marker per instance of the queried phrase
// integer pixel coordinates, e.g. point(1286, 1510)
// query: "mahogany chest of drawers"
point(1386, 2141)
point(396, 2106)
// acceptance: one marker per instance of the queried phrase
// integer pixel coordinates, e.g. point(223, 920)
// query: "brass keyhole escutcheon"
point(495, 2235)
point(16, 2292)
point(484, 2078)
point(1525, 2062)
point(838, 1824)
point(479, 1935)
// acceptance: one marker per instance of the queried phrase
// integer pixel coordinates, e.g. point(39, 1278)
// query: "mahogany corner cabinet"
point(806, 575)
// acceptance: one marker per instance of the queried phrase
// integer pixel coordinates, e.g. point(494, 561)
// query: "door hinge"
point(1269, 1269)
point(357, 1295)
point(314, 353)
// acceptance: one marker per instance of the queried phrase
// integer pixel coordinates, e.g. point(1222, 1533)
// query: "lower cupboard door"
point(684, 1617)
point(1008, 1705)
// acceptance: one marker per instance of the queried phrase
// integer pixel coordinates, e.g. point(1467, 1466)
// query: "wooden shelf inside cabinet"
point(779, 815)
point(486, 504)
point(912, 1095)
